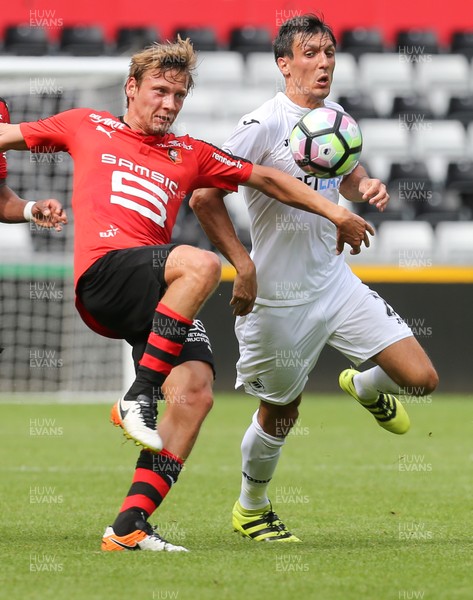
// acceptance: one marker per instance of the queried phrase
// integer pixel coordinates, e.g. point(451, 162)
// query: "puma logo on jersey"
point(108, 133)
point(250, 122)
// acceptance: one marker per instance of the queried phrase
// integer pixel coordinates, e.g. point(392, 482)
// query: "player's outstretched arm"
point(11, 138)
point(358, 186)
point(351, 229)
point(13, 209)
point(212, 213)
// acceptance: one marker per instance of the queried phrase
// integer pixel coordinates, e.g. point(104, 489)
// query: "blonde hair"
point(172, 56)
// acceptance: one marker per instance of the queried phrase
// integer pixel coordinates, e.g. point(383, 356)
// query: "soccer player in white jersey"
point(307, 295)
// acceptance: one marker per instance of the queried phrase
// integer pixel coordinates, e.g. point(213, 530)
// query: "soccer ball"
point(326, 142)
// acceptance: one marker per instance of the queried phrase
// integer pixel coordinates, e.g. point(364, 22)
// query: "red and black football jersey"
point(128, 186)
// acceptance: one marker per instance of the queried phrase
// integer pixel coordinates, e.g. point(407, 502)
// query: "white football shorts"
point(279, 346)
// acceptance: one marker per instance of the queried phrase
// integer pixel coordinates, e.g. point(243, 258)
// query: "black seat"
point(460, 180)
point(358, 105)
point(250, 39)
point(203, 39)
point(411, 110)
point(23, 40)
point(462, 43)
point(133, 39)
point(360, 40)
point(82, 41)
point(461, 109)
point(410, 183)
point(417, 42)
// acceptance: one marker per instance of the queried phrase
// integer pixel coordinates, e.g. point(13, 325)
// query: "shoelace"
point(148, 411)
point(151, 531)
point(271, 518)
point(384, 404)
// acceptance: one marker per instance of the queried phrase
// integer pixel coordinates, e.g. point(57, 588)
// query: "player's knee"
point(199, 399)
point(431, 381)
point(204, 269)
point(278, 420)
point(210, 267)
point(421, 383)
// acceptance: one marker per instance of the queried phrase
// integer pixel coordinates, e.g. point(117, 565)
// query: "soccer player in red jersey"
point(130, 177)
point(47, 213)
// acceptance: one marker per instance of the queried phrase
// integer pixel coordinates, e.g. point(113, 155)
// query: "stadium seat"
point(406, 243)
point(15, 240)
point(461, 109)
point(202, 101)
point(442, 138)
point(243, 101)
point(411, 110)
point(410, 184)
point(415, 43)
point(358, 105)
point(82, 41)
point(204, 39)
point(215, 131)
point(462, 43)
point(346, 78)
point(262, 70)
point(23, 40)
point(133, 39)
point(385, 76)
point(454, 243)
point(385, 137)
point(459, 182)
point(250, 39)
point(447, 73)
point(361, 40)
point(221, 69)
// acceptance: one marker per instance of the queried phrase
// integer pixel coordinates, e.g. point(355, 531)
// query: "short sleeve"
point(217, 168)
point(249, 139)
point(55, 133)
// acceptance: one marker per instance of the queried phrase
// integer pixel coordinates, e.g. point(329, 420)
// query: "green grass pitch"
point(381, 516)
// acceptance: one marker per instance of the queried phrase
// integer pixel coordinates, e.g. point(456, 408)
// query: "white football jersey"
point(294, 251)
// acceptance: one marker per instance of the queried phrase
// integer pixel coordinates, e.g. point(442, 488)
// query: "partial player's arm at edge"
point(358, 186)
point(46, 213)
point(210, 209)
point(11, 138)
point(351, 229)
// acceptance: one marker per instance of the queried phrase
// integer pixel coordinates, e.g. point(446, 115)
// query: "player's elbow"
point(201, 198)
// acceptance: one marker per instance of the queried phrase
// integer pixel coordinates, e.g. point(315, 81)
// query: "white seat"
point(262, 70)
point(446, 71)
point(385, 71)
point(454, 242)
point(241, 102)
point(406, 243)
point(345, 77)
point(214, 131)
point(220, 68)
point(15, 240)
point(384, 138)
point(439, 142)
point(203, 101)
point(441, 77)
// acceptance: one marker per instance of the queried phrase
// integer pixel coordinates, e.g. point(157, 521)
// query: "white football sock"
point(370, 383)
point(260, 454)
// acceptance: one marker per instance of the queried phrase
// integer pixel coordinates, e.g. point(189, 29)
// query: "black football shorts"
point(117, 297)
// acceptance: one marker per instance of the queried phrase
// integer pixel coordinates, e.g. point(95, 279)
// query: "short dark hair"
point(307, 25)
